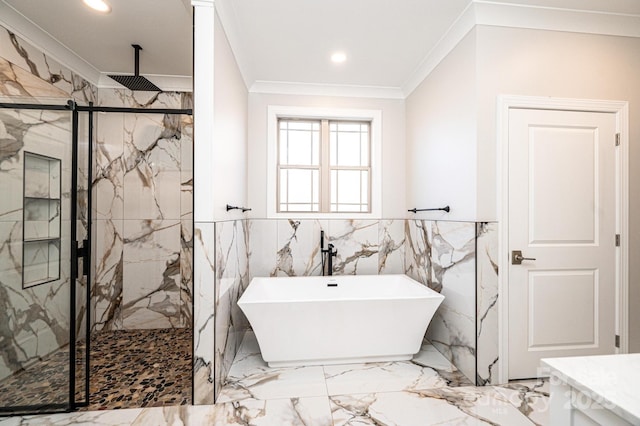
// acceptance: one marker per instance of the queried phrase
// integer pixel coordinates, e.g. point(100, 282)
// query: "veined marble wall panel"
point(152, 163)
point(151, 296)
point(204, 258)
point(442, 256)
point(108, 180)
point(298, 243)
point(35, 320)
point(186, 168)
point(25, 61)
point(391, 242)
point(487, 303)
point(291, 247)
point(144, 175)
point(186, 272)
point(84, 93)
point(232, 277)
point(186, 211)
point(452, 330)
point(263, 247)
point(357, 245)
point(27, 73)
point(418, 251)
point(107, 297)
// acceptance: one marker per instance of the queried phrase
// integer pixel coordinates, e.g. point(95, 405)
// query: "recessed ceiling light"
point(338, 57)
point(99, 5)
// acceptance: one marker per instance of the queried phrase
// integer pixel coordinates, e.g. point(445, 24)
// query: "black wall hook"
point(244, 209)
point(415, 210)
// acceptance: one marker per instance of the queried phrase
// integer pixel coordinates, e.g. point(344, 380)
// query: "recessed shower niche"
point(41, 220)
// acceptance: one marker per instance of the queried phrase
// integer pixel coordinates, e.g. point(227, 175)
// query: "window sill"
point(324, 216)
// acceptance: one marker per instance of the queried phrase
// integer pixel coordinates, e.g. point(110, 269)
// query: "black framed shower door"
point(45, 178)
point(45, 317)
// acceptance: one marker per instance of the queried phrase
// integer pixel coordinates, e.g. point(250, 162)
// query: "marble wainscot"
point(221, 256)
point(594, 390)
point(442, 255)
point(457, 259)
point(487, 360)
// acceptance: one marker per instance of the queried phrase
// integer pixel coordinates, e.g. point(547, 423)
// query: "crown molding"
point(45, 42)
point(495, 13)
point(311, 89)
point(168, 83)
point(456, 32)
point(500, 14)
point(227, 18)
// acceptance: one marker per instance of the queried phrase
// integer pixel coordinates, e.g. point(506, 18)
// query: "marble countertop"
point(610, 380)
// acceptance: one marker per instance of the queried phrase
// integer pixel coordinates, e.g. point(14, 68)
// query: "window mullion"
point(325, 178)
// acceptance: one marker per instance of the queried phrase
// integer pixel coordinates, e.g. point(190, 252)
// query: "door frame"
point(621, 111)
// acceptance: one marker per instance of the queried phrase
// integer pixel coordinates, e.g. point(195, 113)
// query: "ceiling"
point(162, 27)
point(385, 41)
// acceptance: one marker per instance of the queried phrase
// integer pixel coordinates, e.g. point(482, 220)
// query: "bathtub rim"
point(429, 293)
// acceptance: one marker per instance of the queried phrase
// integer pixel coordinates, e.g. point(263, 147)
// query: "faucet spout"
point(331, 253)
point(327, 255)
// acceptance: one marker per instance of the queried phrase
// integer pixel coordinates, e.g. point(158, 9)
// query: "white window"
point(323, 163)
point(324, 166)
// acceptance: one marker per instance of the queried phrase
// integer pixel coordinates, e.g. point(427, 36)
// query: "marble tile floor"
point(425, 391)
point(129, 368)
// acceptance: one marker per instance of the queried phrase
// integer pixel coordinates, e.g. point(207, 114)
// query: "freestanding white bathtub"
point(339, 319)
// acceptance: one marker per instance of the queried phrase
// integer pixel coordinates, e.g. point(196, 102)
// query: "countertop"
point(610, 380)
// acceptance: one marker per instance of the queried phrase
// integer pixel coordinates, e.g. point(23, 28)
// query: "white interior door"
point(562, 213)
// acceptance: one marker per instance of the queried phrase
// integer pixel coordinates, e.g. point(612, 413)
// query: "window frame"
point(324, 167)
point(344, 115)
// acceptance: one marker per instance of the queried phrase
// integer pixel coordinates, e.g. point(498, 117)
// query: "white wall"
point(220, 122)
point(393, 145)
point(229, 162)
point(441, 137)
point(558, 64)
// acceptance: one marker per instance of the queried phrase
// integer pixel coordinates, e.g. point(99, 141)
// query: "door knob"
point(517, 257)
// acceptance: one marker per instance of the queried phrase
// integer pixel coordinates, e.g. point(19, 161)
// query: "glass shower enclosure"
point(44, 253)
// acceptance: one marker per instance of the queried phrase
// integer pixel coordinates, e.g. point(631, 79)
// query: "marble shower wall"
point(143, 188)
point(35, 321)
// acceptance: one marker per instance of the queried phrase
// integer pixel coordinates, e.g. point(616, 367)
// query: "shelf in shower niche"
point(41, 262)
point(42, 225)
point(41, 240)
point(26, 197)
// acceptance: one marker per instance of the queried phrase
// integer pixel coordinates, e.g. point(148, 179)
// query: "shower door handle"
point(81, 252)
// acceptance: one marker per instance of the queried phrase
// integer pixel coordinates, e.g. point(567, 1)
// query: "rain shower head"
point(136, 81)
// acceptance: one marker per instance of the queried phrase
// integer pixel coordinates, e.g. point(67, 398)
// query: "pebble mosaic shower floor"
point(129, 369)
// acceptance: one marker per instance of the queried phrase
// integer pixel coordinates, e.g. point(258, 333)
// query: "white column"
point(204, 239)
point(203, 101)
